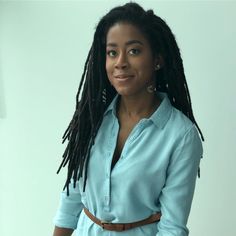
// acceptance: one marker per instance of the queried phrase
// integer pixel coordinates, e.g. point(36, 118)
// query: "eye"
point(134, 51)
point(110, 53)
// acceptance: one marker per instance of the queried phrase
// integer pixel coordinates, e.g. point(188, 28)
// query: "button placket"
point(111, 148)
point(106, 200)
point(133, 135)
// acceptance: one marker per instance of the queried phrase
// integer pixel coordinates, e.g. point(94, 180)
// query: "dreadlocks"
point(97, 93)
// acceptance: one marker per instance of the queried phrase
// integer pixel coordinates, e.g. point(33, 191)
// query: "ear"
point(159, 60)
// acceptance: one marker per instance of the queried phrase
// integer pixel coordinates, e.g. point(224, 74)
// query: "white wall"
point(43, 46)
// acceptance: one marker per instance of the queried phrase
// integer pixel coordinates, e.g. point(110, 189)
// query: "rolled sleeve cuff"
point(65, 221)
point(69, 209)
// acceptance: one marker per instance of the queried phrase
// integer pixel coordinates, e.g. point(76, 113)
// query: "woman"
point(134, 147)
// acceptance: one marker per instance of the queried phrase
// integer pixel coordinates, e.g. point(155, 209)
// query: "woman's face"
point(130, 64)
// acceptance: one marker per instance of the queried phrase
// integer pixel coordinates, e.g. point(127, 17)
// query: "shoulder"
point(184, 131)
point(180, 122)
point(181, 130)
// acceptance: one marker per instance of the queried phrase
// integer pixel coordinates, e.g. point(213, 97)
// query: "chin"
point(125, 92)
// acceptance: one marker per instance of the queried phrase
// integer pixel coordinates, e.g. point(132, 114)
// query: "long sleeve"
point(69, 208)
point(177, 194)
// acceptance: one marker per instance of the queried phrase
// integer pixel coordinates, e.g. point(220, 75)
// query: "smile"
point(123, 77)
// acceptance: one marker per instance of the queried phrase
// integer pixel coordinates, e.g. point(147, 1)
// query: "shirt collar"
point(159, 117)
point(112, 106)
point(163, 112)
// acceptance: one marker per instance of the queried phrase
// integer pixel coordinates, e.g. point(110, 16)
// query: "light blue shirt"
point(156, 171)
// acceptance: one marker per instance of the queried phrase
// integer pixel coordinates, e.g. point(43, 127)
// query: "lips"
point(123, 76)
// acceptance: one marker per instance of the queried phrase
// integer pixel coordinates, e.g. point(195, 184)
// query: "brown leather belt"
point(123, 226)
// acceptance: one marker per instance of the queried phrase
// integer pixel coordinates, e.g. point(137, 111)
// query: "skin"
point(135, 59)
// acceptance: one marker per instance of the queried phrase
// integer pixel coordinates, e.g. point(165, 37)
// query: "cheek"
point(108, 67)
point(147, 66)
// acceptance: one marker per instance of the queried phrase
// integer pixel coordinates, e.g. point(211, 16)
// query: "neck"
point(136, 108)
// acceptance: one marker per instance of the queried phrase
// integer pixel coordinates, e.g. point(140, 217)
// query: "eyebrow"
point(127, 43)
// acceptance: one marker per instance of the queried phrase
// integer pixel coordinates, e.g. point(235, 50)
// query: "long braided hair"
point(95, 92)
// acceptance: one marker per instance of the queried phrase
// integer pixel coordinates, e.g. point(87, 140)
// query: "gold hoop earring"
point(157, 67)
point(151, 89)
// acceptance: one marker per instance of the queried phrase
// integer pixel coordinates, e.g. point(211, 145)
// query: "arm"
point(62, 231)
point(177, 194)
point(68, 212)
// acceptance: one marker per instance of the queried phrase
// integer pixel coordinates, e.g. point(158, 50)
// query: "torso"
point(126, 126)
point(124, 131)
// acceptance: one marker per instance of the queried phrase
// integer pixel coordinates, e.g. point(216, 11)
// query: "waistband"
point(122, 226)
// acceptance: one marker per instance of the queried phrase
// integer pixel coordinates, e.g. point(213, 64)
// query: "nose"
point(121, 62)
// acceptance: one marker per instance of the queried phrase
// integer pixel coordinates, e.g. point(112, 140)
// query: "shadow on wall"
point(2, 97)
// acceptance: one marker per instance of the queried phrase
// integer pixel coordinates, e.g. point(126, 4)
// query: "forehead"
point(120, 33)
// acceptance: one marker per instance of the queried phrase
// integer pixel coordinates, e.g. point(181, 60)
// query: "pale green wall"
point(43, 49)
